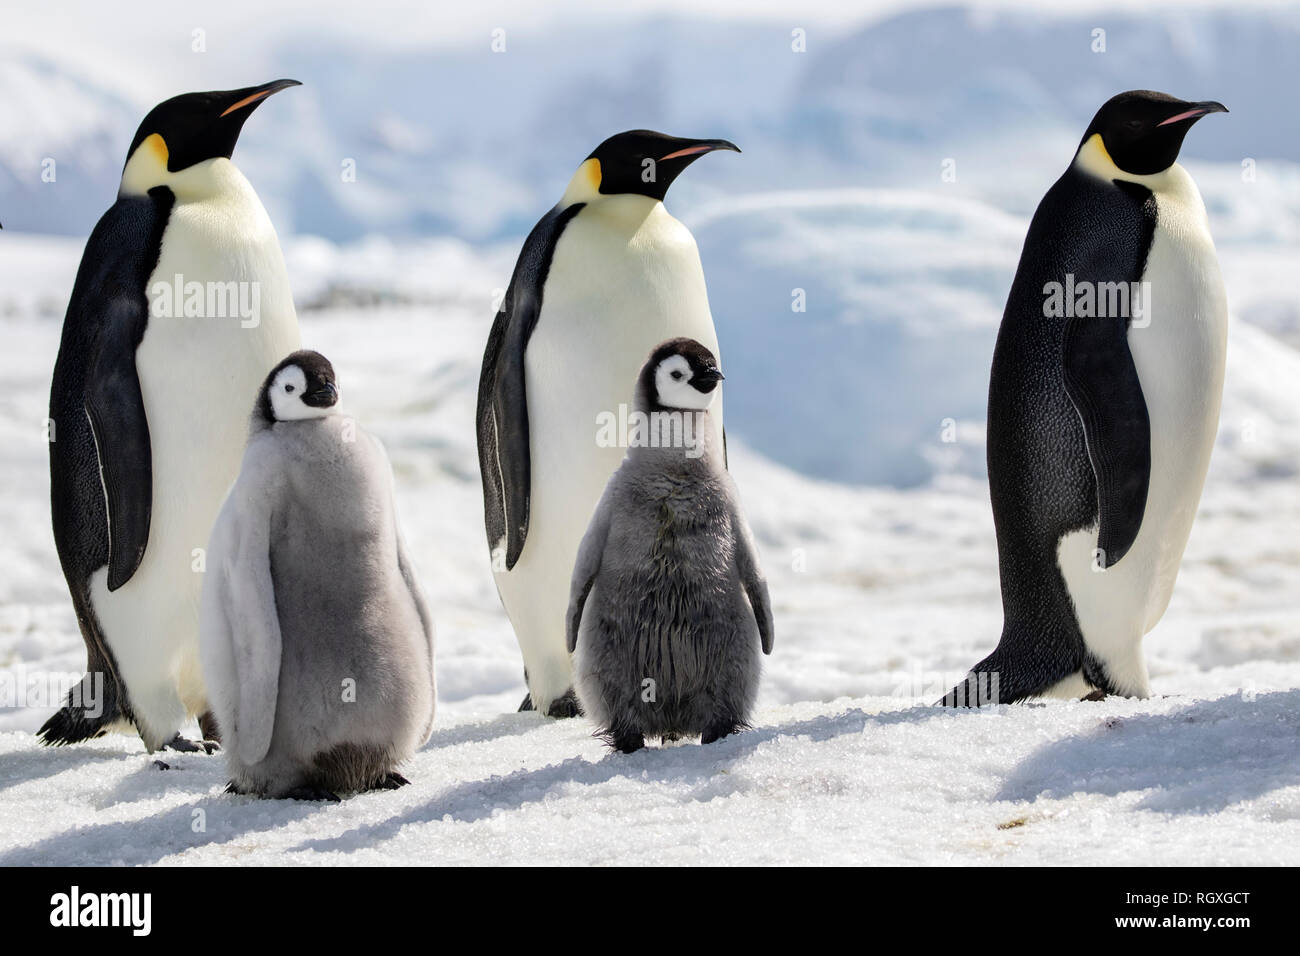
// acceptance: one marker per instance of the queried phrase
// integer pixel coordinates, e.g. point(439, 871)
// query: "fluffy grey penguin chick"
point(668, 608)
point(316, 642)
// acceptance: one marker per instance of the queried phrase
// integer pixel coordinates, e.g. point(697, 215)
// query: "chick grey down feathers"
point(317, 642)
point(668, 609)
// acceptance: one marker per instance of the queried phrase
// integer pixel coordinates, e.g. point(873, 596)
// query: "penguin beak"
point(706, 380)
point(322, 396)
point(1195, 112)
point(248, 98)
point(692, 149)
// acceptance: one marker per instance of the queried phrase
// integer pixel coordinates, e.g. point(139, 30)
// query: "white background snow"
point(876, 535)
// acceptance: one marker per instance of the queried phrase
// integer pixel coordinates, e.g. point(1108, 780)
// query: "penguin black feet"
point(208, 728)
point(1095, 695)
point(184, 745)
point(719, 730)
point(627, 743)
point(390, 781)
point(565, 706)
point(313, 793)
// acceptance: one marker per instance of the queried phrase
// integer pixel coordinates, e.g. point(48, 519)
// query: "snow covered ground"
point(883, 597)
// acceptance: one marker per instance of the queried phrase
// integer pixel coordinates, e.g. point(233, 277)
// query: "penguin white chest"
point(1179, 349)
point(1180, 358)
point(220, 316)
point(625, 276)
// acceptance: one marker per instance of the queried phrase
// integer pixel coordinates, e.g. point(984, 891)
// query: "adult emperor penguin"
point(1103, 409)
point(602, 279)
point(317, 643)
point(668, 608)
point(180, 307)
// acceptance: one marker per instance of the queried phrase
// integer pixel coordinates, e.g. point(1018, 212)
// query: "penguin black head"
point(188, 129)
point(680, 374)
point(301, 386)
point(1142, 130)
point(641, 162)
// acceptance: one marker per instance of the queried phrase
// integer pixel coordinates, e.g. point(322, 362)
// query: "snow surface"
point(883, 597)
point(876, 534)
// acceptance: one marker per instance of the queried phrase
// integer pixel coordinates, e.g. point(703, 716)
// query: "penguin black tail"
point(93, 706)
point(1008, 676)
point(982, 687)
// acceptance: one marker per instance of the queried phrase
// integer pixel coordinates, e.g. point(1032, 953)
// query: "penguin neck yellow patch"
point(147, 166)
point(1094, 158)
point(585, 184)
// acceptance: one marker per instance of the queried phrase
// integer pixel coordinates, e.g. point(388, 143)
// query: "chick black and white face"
point(1142, 131)
point(686, 379)
point(300, 387)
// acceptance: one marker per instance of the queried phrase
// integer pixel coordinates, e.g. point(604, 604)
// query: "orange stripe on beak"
point(688, 151)
point(1182, 116)
point(246, 100)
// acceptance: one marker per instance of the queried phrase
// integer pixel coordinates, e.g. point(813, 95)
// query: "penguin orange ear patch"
point(147, 166)
point(158, 146)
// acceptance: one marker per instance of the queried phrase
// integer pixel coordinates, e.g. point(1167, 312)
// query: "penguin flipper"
point(587, 566)
point(751, 577)
point(504, 452)
point(1102, 382)
point(115, 407)
point(95, 380)
point(247, 595)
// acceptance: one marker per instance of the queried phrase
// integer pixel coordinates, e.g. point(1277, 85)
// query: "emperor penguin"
point(180, 307)
point(317, 642)
point(602, 279)
point(1103, 407)
point(668, 608)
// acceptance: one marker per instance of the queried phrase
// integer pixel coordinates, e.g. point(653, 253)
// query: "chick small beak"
point(706, 379)
point(323, 396)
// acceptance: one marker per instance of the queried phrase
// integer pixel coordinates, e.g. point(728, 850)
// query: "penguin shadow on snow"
point(25, 766)
point(685, 762)
point(192, 774)
point(166, 833)
point(1193, 760)
point(505, 725)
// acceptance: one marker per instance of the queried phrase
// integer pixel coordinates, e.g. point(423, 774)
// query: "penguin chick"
point(316, 642)
point(668, 608)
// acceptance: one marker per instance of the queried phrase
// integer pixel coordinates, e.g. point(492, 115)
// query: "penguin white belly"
point(625, 276)
point(199, 377)
point(1180, 363)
